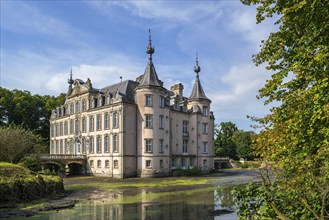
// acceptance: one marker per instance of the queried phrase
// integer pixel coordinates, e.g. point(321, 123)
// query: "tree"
point(16, 142)
point(295, 135)
point(32, 112)
point(243, 142)
point(224, 144)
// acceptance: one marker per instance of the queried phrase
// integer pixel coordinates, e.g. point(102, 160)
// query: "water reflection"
point(182, 205)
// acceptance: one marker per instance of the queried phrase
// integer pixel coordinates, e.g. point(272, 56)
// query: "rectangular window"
point(98, 122)
point(148, 121)
point(148, 145)
point(148, 164)
point(148, 100)
point(115, 163)
point(52, 147)
point(77, 129)
point(106, 144)
point(115, 143)
point(205, 147)
point(77, 107)
point(91, 145)
point(61, 129)
point(91, 163)
point(83, 145)
point(91, 123)
point(51, 130)
point(204, 163)
point(173, 162)
point(185, 146)
point(185, 128)
point(99, 163)
point(83, 103)
point(161, 122)
point(65, 128)
point(161, 146)
point(205, 111)
point(183, 162)
point(115, 120)
point(162, 101)
point(61, 146)
point(83, 125)
point(98, 144)
point(205, 128)
point(192, 162)
point(106, 121)
point(107, 163)
point(56, 130)
point(71, 109)
point(71, 127)
point(161, 164)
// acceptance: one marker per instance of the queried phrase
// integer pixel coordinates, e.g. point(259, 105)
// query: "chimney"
point(178, 89)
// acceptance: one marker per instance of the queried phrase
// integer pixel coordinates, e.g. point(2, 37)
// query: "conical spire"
point(197, 91)
point(150, 76)
point(70, 80)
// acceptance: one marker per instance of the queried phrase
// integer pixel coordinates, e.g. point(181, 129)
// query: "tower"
point(203, 121)
point(152, 122)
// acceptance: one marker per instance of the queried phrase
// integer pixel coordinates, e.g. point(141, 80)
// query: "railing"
point(185, 134)
point(221, 158)
point(63, 157)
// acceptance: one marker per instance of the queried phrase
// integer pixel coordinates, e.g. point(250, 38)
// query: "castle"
point(135, 128)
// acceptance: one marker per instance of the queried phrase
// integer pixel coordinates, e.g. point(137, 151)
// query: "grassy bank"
point(19, 184)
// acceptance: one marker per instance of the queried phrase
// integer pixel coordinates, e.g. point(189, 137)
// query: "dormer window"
point(100, 101)
point(83, 105)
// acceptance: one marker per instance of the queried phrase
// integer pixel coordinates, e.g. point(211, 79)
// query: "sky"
point(41, 41)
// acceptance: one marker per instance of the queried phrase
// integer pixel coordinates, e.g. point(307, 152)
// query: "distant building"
point(135, 128)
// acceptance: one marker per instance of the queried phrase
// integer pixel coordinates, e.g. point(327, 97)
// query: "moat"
point(207, 197)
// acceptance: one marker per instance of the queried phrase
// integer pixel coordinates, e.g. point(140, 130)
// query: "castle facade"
point(135, 127)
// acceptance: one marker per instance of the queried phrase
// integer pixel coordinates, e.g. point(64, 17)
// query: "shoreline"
point(90, 188)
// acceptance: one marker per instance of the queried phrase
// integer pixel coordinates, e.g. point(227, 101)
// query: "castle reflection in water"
point(180, 206)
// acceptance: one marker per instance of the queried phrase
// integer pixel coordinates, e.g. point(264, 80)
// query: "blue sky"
point(42, 40)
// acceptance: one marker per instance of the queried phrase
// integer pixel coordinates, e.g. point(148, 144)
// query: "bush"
point(31, 162)
point(189, 172)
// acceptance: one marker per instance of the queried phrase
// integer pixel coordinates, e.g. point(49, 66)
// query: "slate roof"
point(125, 88)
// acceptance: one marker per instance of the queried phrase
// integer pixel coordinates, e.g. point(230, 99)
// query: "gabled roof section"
point(150, 77)
point(197, 91)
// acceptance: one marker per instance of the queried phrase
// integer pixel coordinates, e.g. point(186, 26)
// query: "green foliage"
point(31, 162)
point(224, 144)
point(295, 135)
point(31, 112)
point(188, 172)
point(243, 142)
point(15, 142)
point(18, 183)
point(232, 142)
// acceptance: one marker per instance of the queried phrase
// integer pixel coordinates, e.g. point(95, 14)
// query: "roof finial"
point(149, 48)
point(70, 80)
point(197, 68)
